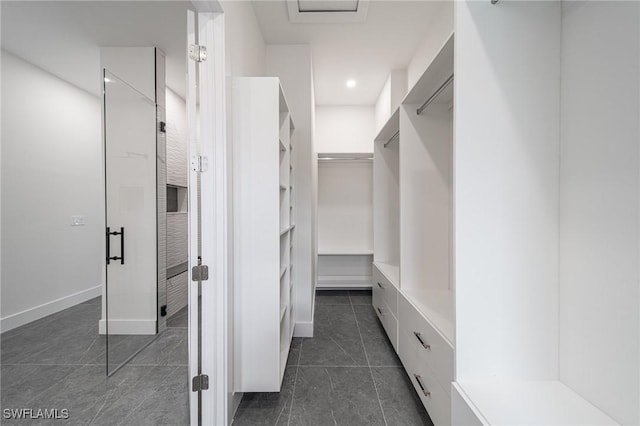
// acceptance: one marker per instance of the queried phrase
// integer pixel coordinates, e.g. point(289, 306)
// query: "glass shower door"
point(131, 238)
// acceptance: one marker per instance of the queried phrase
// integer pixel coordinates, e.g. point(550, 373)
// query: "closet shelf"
point(283, 187)
point(390, 128)
point(283, 311)
point(283, 148)
point(531, 402)
point(345, 252)
point(391, 271)
point(437, 307)
point(436, 74)
point(282, 271)
point(284, 230)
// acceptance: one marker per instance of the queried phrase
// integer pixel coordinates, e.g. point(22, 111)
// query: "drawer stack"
point(426, 354)
point(385, 303)
point(428, 359)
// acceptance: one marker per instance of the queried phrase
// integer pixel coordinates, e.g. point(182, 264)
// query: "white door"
point(209, 336)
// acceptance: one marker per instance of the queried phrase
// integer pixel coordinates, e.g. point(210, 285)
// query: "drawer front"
point(387, 290)
point(388, 320)
point(434, 397)
point(426, 343)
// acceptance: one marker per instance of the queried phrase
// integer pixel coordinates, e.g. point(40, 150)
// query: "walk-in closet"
point(316, 212)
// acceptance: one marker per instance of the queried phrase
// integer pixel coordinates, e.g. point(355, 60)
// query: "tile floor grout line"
point(293, 394)
point(353, 309)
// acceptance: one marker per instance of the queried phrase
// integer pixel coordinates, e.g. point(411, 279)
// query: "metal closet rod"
point(392, 138)
point(344, 158)
point(435, 95)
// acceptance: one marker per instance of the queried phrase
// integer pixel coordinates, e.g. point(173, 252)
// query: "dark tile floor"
point(59, 362)
point(347, 374)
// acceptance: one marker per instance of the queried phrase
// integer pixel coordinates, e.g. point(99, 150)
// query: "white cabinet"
point(413, 289)
point(546, 264)
point(263, 232)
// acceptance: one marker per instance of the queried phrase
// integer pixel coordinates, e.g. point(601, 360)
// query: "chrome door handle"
point(419, 337)
point(425, 391)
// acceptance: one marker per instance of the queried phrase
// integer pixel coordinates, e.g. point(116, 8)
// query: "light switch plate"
point(77, 220)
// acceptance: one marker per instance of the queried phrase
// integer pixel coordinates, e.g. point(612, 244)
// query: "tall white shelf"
point(263, 232)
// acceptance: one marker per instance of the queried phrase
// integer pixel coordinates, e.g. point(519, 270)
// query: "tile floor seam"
point(293, 394)
point(384, 418)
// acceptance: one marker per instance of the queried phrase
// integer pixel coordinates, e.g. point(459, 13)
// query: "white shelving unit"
point(413, 287)
point(345, 220)
point(263, 233)
point(528, 312)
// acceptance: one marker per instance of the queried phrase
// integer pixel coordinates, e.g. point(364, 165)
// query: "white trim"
point(128, 327)
point(303, 329)
point(32, 314)
point(343, 286)
point(330, 17)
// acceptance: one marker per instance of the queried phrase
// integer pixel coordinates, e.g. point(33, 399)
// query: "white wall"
point(506, 190)
point(51, 170)
point(244, 45)
point(392, 93)
point(599, 211)
point(383, 106)
point(245, 52)
point(345, 207)
point(342, 129)
point(292, 63)
point(177, 138)
point(438, 32)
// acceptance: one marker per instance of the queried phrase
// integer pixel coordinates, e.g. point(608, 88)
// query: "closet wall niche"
point(345, 220)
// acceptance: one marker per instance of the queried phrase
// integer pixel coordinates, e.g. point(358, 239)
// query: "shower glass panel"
point(131, 237)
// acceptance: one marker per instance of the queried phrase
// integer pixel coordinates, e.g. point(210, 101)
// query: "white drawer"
point(388, 320)
point(434, 397)
point(386, 290)
point(425, 343)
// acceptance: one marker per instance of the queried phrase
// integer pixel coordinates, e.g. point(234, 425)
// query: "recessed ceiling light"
point(351, 83)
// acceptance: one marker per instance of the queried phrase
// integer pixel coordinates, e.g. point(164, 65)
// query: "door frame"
point(214, 224)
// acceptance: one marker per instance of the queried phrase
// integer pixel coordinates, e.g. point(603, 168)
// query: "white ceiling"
point(364, 51)
point(64, 37)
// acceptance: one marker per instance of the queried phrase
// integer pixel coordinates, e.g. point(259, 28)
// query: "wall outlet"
point(77, 220)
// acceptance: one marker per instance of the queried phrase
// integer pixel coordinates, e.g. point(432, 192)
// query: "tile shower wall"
point(177, 223)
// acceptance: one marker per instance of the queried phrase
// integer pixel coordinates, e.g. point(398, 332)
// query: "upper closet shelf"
point(433, 79)
point(391, 129)
point(348, 156)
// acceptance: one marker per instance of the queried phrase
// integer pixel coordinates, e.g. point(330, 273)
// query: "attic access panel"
point(327, 11)
point(328, 5)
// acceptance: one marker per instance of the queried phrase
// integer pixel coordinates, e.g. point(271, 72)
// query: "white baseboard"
point(128, 327)
point(303, 329)
point(32, 314)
